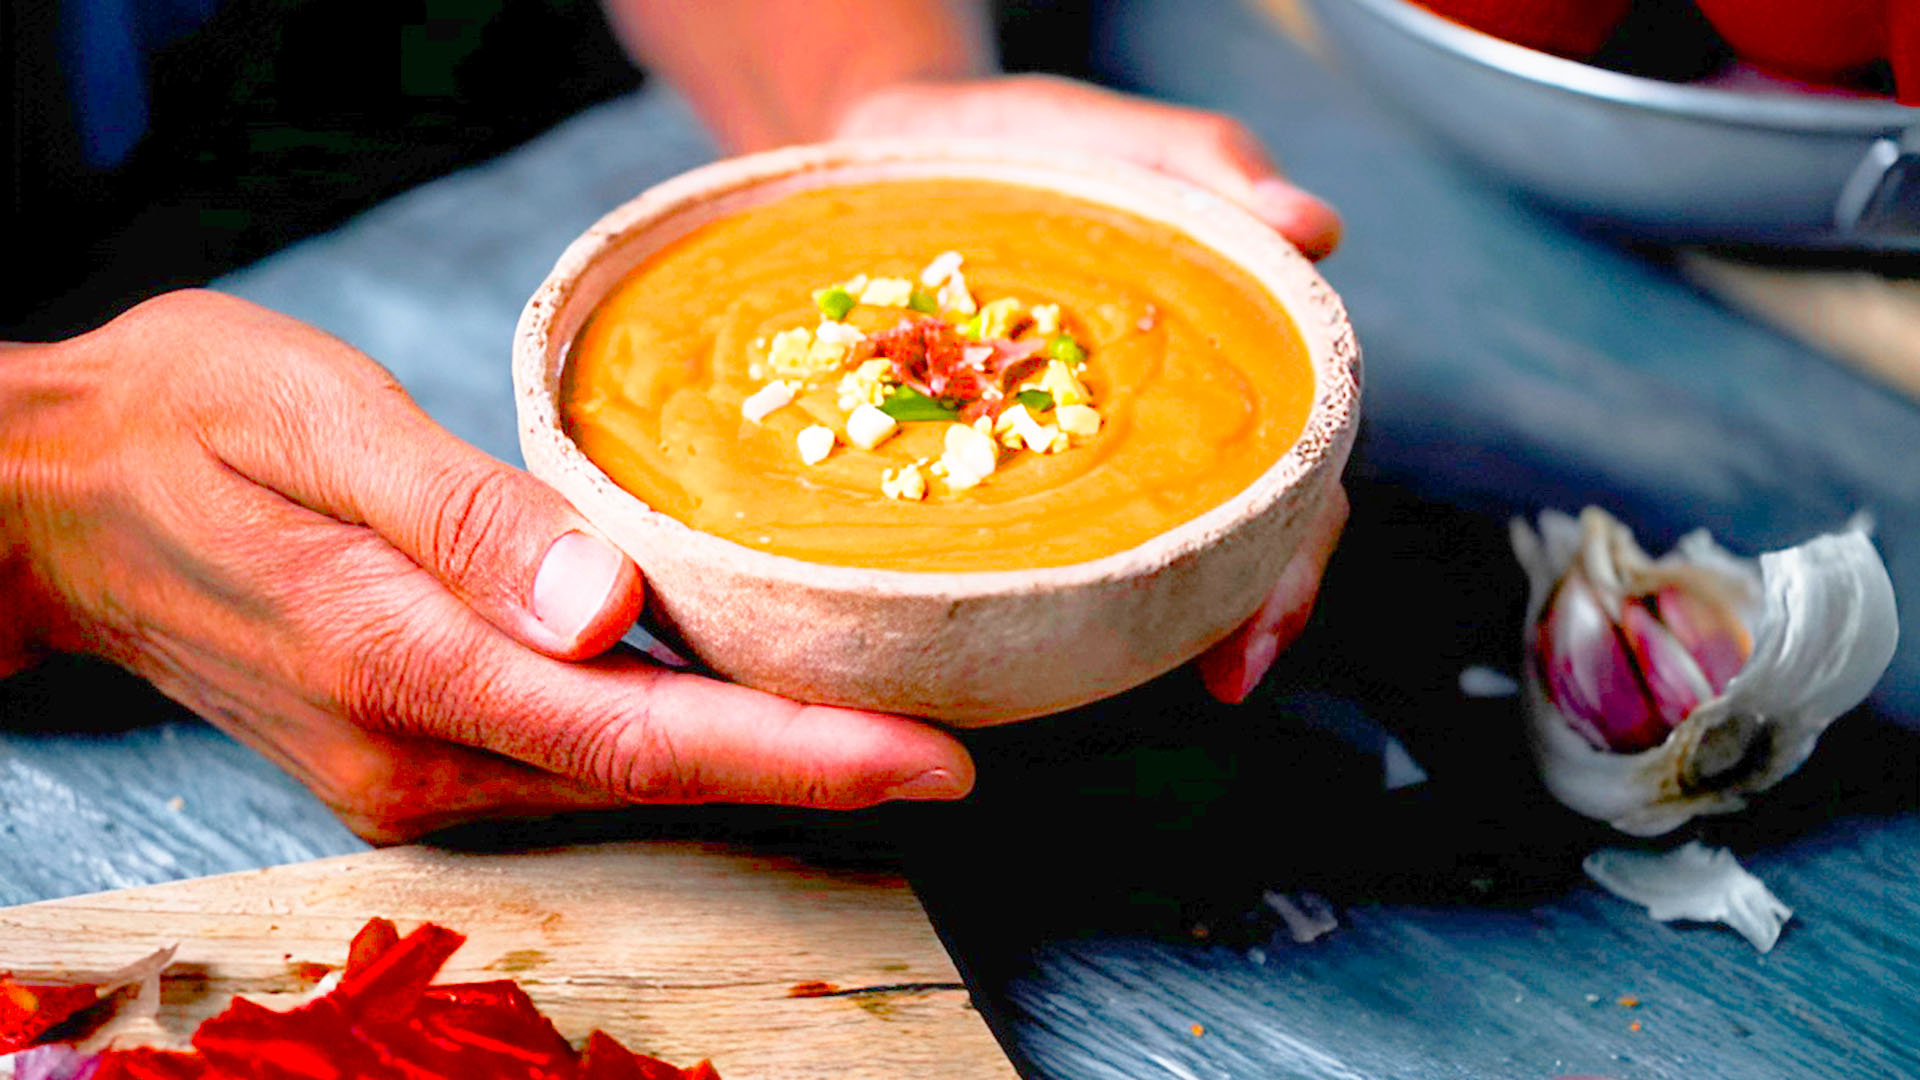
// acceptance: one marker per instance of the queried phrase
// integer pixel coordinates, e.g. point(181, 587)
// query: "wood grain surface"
point(1867, 319)
point(771, 967)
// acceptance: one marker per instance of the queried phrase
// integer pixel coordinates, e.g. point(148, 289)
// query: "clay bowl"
point(966, 648)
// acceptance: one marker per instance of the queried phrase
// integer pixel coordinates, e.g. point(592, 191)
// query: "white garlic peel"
point(1694, 882)
point(1822, 623)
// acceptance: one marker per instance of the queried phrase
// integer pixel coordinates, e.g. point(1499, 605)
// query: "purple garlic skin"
point(1659, 689)
point(1626, 680)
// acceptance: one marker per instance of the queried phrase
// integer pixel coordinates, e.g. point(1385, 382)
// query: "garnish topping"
point(1005, 374)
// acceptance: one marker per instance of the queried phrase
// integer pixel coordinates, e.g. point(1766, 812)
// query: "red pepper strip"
point(30, 1010)
point(149, 1064)
point(498, 1017)
point(390, 986)
point(310, 1043)
point(606, 1059)
point(385, 1023)
point(373, 939)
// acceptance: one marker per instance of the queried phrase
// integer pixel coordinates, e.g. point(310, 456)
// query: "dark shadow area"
point(80, 693)
point(1164, 814)
point(277, 120)
point(270, 122)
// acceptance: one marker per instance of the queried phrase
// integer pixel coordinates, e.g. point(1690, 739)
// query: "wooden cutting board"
point(771, 967)
point(1860, 317)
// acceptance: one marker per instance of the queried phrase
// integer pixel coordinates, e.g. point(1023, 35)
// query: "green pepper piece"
point(1062, 347)
point(834, 303)
point(906, 404)
point(1035, 400)
point(923, 302)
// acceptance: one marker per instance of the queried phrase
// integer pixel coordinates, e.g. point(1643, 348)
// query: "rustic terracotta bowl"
point(966, 648)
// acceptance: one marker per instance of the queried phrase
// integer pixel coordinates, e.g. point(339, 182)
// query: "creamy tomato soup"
point(936, 375)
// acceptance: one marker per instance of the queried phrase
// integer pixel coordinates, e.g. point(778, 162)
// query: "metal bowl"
point(1667, 161)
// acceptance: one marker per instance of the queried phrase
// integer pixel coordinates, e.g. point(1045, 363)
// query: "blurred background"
point(153, 144)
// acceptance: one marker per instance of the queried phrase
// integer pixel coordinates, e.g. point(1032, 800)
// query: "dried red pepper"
point(385, 1021)
point(30, 1010)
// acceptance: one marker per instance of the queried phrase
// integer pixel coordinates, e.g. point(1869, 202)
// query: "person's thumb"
point(354, 447)
point(501, 540)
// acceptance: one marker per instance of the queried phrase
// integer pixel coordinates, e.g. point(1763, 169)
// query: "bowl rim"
point(1808, 113)
point(1318, 316)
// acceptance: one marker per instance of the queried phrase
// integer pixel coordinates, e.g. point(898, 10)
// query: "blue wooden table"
point(1104, 889)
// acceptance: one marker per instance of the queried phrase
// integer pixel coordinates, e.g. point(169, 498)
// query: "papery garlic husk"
point(1816, 624)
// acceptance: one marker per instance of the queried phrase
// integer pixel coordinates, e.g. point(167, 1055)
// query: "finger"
point(420, 665)
point(343, 439)
point(390, 790)
point(1219, 153)
point(1235, 666)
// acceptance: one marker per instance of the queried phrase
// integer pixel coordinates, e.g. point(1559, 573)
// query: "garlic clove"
point(1590, 675)
point(1709, 632)
point(1660, 689)
point(1675, 684)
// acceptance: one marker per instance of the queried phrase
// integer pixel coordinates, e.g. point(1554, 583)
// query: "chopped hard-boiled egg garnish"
point(1016, 425)
point(970, 456)
point(940, 269)
point(947, 357)
point(953, 295)
point(1081, 421)
point(775, 395)
point(906, 482)
point(787, 352)
point(887, 292)
point(838, 333)
point(867, 384)
point(1046, 319)
point(995, 319)
point(815, 443)
point(868, 427)
point(1060, 381)
point(805, 354)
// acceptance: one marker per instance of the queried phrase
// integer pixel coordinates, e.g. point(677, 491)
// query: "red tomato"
point(1575, 28)
point(1903, 48)
point(1814, 39)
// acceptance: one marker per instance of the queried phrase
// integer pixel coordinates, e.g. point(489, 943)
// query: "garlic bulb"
point(1657, 689)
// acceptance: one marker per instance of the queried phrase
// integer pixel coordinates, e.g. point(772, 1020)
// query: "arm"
point(763, 73)
point(255, 518)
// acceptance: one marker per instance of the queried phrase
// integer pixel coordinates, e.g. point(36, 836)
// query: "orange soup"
point(936, 375)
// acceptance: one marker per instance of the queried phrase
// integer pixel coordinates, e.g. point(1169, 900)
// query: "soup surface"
point(1154, 381)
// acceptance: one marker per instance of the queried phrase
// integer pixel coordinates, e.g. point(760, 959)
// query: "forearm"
point(765, 73)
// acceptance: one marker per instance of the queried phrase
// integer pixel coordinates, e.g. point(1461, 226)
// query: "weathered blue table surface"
point(1104, 888)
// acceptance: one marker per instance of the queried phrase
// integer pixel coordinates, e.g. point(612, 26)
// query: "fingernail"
point(932, 784)
point(1261, 652)
point(575, 583)
point(1279, 199)
point(1309, 223)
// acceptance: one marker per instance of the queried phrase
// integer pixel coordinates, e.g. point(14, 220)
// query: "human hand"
point(1209, 149)
point(253, 516)
point(1236, 665)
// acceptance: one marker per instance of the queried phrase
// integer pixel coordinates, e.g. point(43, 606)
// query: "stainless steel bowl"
point(1667, 161)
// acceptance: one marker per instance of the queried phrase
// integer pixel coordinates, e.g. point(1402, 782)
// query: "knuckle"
point(462, 528)
point(634, 755)
point(392, 667)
